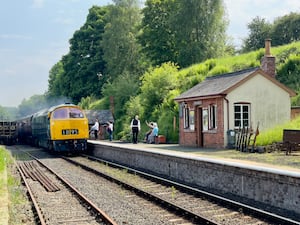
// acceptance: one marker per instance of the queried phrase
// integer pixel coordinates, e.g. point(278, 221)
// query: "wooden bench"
point(290, 141)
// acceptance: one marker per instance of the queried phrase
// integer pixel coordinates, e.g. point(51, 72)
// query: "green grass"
point(275, 134)
point(16, 198)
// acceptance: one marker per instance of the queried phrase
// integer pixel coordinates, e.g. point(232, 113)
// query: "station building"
point(222, 104)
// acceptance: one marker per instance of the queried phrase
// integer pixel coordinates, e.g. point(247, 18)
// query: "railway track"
point(122, 205)
point(178, 204)
point(55, 200)
point(201, 207)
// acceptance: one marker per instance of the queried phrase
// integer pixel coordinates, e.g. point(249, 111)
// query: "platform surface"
point(208, 155)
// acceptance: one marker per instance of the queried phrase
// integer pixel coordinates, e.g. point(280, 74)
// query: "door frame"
point(199, 127)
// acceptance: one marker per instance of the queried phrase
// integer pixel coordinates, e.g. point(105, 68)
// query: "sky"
point(35, 34)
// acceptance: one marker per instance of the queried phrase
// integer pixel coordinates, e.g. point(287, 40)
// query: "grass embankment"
point(275, 134)
point(10, 192)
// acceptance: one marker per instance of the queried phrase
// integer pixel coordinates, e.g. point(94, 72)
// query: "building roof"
point(102, 115)
point(223, 84)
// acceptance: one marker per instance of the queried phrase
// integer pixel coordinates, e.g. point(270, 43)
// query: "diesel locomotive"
point(61, 128)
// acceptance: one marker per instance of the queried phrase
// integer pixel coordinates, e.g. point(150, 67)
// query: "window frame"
point(212, 117)
point(243, 116)
point(186, 117)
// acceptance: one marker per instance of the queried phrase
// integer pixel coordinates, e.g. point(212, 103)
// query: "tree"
point(286, 29)
point(156, 84)
point(183, 31)
point(259, 31)
point(157, 37)
point(4, 114)
point(121, 51)
point(55, 80)
point(199, 28)
point(283, 30)
point(84, 65)
point(121, 89)
point(34, 104)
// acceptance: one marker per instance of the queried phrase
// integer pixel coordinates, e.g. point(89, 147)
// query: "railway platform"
point(217, 155)
point(237, 175)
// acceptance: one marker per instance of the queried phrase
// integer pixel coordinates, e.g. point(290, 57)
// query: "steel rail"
point(102, 214)
point(37, 208)
point(233, 204)
point(175, 208)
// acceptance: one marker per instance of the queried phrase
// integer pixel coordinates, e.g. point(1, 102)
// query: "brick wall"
point(211, 138)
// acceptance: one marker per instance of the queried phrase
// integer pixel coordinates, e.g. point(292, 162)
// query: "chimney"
point(268, 61)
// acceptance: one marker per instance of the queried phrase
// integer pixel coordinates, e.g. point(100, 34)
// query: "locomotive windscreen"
point(66, 113)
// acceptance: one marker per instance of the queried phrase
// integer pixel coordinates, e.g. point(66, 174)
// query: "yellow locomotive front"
point(68, 128)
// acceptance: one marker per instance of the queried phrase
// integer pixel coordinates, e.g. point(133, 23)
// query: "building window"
point(241, 115)
point(192, 119)
point(186, 113)
point(212, 114)
point(205, 119)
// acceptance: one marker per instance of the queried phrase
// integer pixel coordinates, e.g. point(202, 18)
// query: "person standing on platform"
point(110, 129)
point(95, 128)
point(135, 128)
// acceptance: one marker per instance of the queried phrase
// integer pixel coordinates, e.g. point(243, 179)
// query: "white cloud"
point(241, 13)
point(15, 36)
point(37, 4)
point(65, 21)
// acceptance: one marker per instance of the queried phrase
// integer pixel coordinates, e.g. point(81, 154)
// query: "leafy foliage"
point(286, 29)
point(259, 31)
point(282, 31)
point(158, 38)
point(199, 28)
point(83, 66)
point(121, 89)
point(183, 31)
point(288, 72)
point(4, 114)
point(109, 58)
point(156, 84)
point(121, 50)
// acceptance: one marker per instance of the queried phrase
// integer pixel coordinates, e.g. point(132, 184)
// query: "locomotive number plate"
point(69, 131)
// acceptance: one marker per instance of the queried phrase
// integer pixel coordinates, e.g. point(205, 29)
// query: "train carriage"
point(7, 132)
point(61, 128)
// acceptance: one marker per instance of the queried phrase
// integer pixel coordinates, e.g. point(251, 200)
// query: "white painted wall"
point(270, 104)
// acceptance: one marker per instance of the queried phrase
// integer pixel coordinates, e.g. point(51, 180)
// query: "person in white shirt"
point(110, 129)
point(95, 128)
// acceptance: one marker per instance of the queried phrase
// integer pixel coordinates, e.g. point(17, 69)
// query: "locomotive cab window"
point(61, 113)
point(66, 113)
point(75, 113)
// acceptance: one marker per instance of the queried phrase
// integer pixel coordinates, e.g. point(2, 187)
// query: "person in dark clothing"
point(135, 128)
